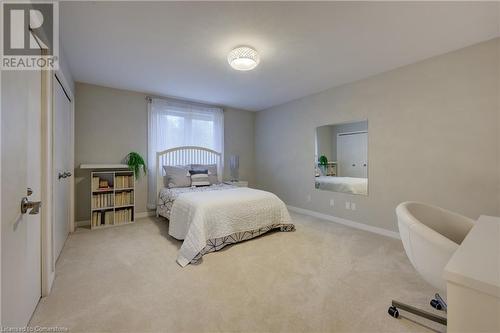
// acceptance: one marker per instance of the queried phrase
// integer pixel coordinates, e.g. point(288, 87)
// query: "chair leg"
point(393, 311)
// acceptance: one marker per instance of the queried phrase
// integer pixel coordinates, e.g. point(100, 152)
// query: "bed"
point(208, 218)
point(342, 184)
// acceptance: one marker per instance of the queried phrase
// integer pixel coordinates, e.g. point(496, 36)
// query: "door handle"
point(65, 174)
point(33, 205)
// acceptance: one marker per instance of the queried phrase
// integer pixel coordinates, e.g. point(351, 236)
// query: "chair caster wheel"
point(393, 312)
point(436, 304)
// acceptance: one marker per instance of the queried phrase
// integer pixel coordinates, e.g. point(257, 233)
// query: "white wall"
point(325, 142)
point(433, 137)
point(239, 129)
point(110, 123)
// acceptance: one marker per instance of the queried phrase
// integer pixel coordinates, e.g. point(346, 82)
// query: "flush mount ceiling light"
point(243, 58)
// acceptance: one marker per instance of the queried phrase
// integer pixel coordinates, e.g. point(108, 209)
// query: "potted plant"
point(136, 163)
point(322, 163)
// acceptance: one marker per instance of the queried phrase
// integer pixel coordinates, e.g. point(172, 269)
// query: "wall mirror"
point(341, 158)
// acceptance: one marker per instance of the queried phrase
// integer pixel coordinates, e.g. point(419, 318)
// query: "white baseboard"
point(340, 220)
point(85, 223)
point(349, 223)
point(145, 214)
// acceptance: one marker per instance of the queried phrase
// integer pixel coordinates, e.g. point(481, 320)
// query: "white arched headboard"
point(184, 156)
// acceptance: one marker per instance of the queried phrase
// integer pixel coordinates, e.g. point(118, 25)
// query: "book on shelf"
point(95, 183)
point(124, 181)
point(108, 217)
point(102, 200)
point(123, 215)
point(99, 184)
point(124, 198)
point(103, 183)
point(102, 218)
point(96, 219)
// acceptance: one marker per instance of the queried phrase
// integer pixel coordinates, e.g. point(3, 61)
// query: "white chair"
point(430, 236)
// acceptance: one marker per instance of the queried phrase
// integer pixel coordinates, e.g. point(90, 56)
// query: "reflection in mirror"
point(341, 161)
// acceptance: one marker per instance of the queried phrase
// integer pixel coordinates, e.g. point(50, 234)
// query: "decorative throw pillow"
point(212, 171)
point(199, 177)
point(177, 176)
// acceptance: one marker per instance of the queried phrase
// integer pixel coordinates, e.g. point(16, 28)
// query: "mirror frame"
point(367, 157)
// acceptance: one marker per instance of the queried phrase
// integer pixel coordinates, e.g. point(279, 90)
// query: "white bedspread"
point(343, 184)
point(201, 216)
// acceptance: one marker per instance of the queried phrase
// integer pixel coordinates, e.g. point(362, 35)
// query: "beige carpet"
point(323, 277)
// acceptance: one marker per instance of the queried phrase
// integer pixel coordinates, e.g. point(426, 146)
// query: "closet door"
point(352, 152)
point(62, 166)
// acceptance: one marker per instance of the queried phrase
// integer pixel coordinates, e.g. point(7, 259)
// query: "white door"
point(21, 169)
point(352, 155)
point(62, 166)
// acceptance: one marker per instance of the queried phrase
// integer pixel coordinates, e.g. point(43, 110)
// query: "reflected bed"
point(342, 184)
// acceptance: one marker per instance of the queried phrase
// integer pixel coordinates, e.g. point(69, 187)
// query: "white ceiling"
point(180, 49)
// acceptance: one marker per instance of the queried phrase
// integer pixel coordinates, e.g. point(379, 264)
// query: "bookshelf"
point(112, 198)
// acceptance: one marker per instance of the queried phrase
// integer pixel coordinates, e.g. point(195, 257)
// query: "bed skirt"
point(214, 245)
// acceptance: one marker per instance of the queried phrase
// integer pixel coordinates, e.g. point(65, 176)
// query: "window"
point(174, 124)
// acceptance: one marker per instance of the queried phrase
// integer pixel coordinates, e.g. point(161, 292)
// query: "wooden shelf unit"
point(115, 205)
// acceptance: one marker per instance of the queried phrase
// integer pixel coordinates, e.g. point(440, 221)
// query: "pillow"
point(199, 178)
point(177, 176)
point(212, 171)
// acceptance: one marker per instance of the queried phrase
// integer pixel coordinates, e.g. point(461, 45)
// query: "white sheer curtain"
point(173, 124)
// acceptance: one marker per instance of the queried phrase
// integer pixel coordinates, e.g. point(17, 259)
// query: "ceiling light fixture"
point(243, 58)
